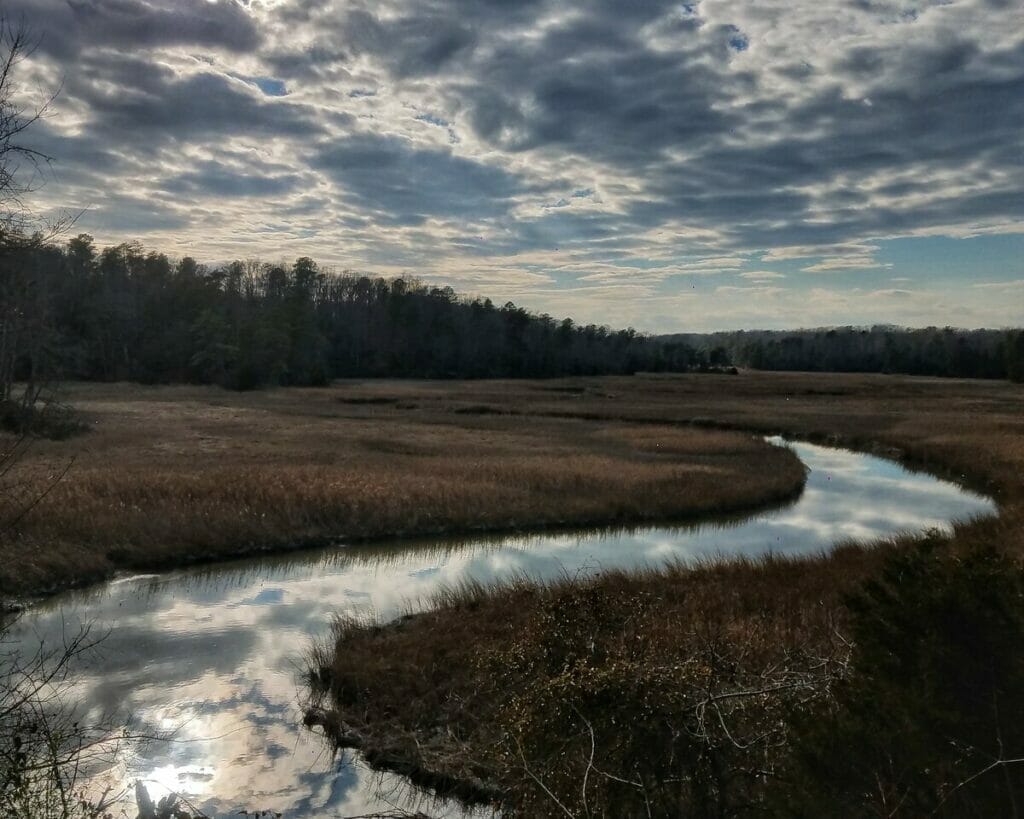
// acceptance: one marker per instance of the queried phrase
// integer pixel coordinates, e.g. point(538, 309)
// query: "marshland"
point(471, 409)
point(172, 475)
point(699, 689)
point(640, 599)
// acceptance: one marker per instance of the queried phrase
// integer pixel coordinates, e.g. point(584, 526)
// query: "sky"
point(719, 164)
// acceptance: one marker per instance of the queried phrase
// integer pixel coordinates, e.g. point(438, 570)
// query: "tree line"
point(125, 313)
point(937, 351)
point(76, 311)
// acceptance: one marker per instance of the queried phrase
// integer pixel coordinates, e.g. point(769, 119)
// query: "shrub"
point(52, 419)
point(604, 722)
point(928, 722)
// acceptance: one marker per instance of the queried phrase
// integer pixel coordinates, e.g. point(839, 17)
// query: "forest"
point(77, 312)
point(936, 351)
point(122, 313)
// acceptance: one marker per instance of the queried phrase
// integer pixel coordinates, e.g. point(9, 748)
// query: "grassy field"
point(654, 693)
point(170, 475)
point(671, 693)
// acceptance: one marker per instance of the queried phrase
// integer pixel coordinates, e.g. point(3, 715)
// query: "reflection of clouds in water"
point(212, 651)
point(263, 598)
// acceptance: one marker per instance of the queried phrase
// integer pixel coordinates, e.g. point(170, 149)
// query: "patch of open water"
point(214, 652)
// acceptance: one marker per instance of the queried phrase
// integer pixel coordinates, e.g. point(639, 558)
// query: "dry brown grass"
point(399, 681)
point(170, 475)
point(417, 688)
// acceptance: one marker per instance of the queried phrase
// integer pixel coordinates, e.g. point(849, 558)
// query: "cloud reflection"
point(211, 652)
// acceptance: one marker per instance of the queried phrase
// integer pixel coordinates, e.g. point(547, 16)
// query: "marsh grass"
point(652, 692)
point(683, 681)
point(175, 475)
point(494, 680)
point(668, 692)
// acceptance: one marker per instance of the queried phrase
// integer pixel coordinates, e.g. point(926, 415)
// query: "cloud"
point(1008, 286)
point(215, 179)
point(656, 272)
point(750, 290)
point(67, 27)
point(605, 143)
point(892, 293)
point(401, 183)
point(135, 215)
point(831, 263)
point(761, 275)
point(159, 104)
point(410, 45)
point(809, 251)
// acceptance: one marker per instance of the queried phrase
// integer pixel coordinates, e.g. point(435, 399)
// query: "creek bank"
point(765, 499)
point(773, 597)
point(393, 758)
point(254, 615)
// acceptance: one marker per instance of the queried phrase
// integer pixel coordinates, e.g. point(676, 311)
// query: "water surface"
point(213, 653)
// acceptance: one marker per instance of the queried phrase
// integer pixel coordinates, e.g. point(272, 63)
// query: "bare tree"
point(46, 750)
point(25, 336)
point(19, 163)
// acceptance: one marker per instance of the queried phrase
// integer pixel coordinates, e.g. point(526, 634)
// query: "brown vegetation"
point(665, 692)
point(498, 685)
point(656, 692)
point(170, 475)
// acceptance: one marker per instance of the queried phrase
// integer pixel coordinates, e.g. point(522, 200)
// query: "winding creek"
point(214, 652)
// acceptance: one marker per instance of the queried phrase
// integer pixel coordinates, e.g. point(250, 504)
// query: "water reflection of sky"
point(213, 652)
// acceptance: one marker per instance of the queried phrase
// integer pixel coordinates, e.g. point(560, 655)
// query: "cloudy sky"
point(671, 166)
